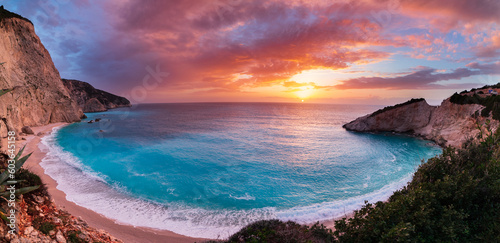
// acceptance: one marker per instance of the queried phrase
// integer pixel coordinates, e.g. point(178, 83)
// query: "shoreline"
point(126, 233)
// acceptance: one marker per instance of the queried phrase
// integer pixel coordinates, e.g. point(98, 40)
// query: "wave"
point(245, 197)
point(89, 189)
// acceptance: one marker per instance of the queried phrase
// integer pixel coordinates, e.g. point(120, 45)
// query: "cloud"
point(478, 10)
point(489, 47)
point(485, 68)
point(221, 46)
point(422, 78)
point(207, 44)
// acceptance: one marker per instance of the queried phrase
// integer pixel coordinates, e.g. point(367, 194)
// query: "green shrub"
point(454, 197)
point(278, 231)
point(45, 227)
point(28, 178)
point(73, 237)
point(491, 103)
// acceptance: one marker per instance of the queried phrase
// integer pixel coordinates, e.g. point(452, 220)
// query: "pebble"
point(60, 237)
point(57, 220)
point(28, 230)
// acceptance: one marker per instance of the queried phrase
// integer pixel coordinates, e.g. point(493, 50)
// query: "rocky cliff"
point(91, 99)
point(36, 94)
point(449, 124)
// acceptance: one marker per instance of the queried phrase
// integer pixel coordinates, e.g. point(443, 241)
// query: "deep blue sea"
point(208, 169)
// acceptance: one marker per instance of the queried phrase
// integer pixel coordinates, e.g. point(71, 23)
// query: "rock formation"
point(36, 94)
point(91, 99)
point(448, 124)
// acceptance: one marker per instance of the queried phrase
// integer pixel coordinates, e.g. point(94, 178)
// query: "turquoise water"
point(208, 169)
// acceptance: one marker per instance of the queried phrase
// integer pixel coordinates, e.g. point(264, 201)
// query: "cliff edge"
point(35, 94)
point(449, 124)
point(91, 99)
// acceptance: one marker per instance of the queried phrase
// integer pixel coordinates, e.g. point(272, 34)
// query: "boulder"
point(27, 130)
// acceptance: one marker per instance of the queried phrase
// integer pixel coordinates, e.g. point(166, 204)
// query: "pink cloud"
point(421, 78)
point(206, 44)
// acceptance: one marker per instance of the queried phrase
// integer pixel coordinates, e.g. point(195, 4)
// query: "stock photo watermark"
point(11, 182)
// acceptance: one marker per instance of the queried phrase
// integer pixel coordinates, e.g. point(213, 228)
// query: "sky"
point(378, 52)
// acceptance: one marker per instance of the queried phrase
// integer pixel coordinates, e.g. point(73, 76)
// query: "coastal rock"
point(448, 124)
point(405, 118)
point(36, 95)
point(28, 230)
point(60, 237)
point(3, 128)
point(91, 99)
point(27, 130)
point(93, 105)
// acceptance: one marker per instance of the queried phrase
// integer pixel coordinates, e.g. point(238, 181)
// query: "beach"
point(126, 233)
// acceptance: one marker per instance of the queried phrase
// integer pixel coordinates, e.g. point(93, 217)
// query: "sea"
point(208, 169)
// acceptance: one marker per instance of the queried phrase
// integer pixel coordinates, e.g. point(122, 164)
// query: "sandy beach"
point(125, 233)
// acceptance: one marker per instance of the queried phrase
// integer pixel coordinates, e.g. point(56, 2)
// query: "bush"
point(278, 231)
point(28, 177)
point(46, 227)
point(491, 103)
point(73, 237)
point(452, 198)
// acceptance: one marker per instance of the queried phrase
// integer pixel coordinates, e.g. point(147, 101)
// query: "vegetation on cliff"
point(453, 197)
point(388, 108)
point(491, 103)
point(5, 14)
point(277, 231)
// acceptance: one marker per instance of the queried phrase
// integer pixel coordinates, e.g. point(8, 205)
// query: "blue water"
point(208, 169)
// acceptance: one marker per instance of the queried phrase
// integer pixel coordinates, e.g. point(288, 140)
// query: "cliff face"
point(397, 119)
point(448, 124)
point(38, 96)
point(91, 99)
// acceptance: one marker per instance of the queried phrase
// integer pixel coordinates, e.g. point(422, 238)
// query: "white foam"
point(245, 197)
point(339, 208)
point(89, 189)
